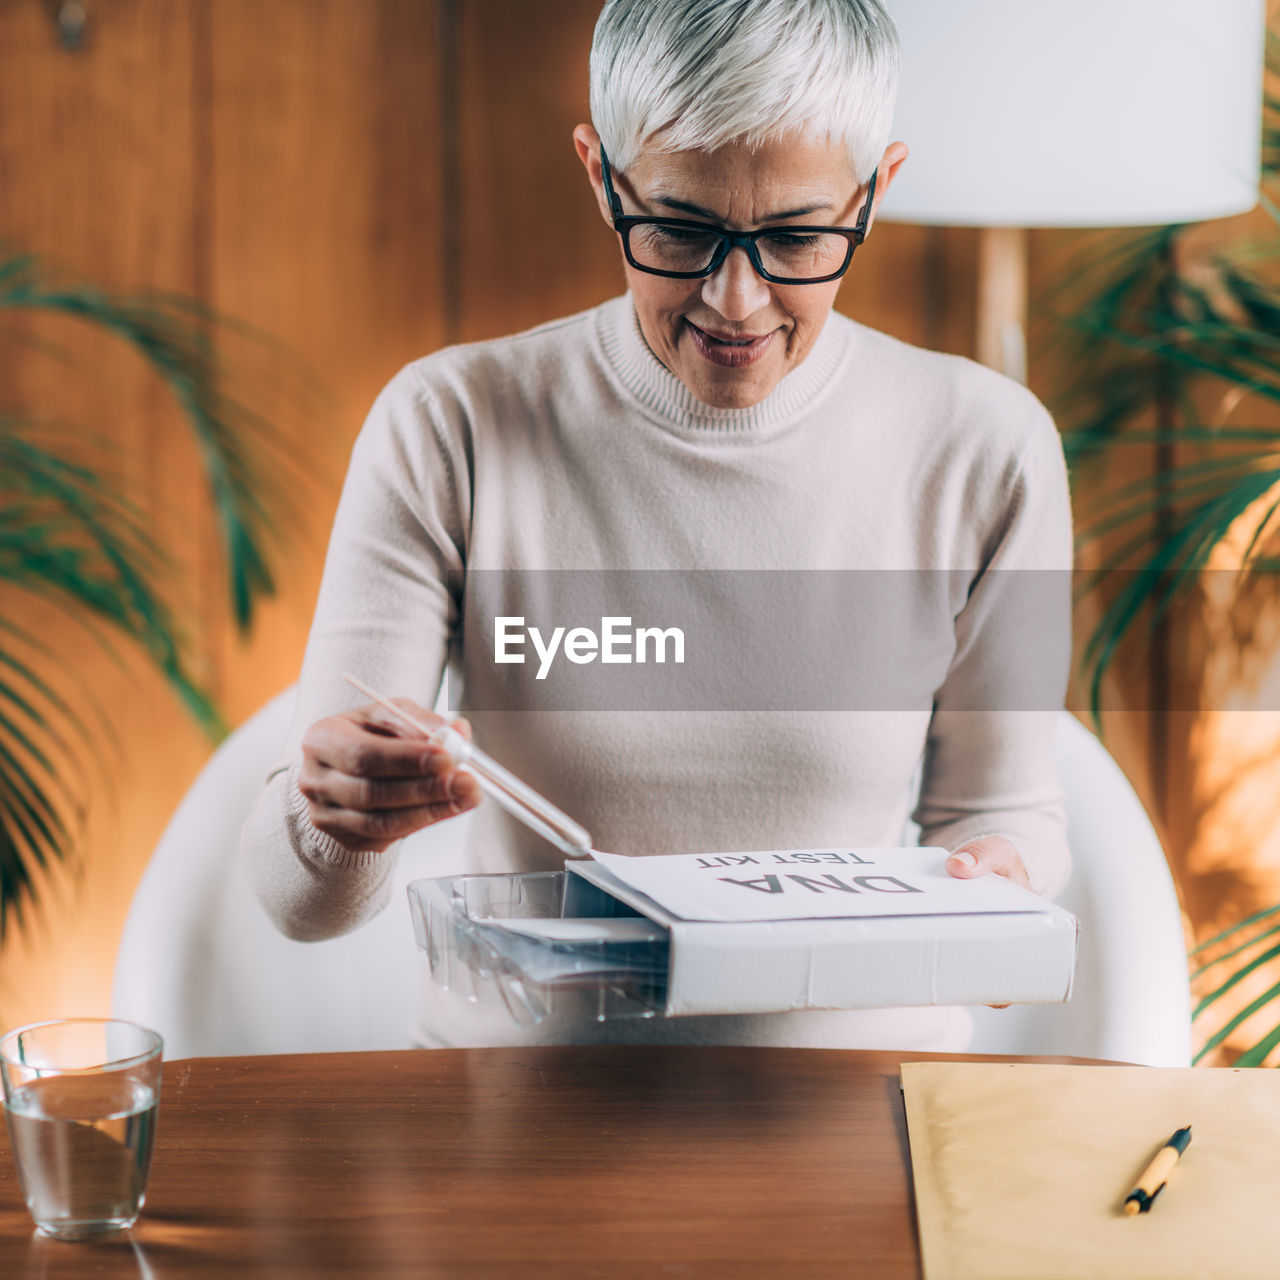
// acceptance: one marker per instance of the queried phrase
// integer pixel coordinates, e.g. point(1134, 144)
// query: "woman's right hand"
point(369, 779)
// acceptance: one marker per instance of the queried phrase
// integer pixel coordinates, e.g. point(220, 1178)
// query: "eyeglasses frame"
point(729, 240)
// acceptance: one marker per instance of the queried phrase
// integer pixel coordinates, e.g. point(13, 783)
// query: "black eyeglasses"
point(687, 250)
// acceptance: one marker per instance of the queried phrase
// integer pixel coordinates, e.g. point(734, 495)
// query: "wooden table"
point(564, 1162)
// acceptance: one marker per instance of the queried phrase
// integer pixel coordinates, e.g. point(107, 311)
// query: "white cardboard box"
point(834, 929)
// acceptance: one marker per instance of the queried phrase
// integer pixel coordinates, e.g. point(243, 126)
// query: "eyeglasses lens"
point(662, 246)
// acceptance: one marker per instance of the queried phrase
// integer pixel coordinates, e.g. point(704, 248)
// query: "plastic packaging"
point(494, 939)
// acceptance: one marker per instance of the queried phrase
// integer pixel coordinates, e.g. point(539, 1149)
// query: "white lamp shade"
point(1035, 113)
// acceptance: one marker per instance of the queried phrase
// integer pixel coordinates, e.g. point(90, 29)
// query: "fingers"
point(373, 830)
point(364, 746)
point(381, 720)
point(988, 855)
point(340, 790)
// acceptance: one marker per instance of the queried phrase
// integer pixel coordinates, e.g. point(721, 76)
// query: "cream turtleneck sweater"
point(873, 564)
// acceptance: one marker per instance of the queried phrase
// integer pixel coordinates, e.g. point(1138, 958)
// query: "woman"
point(718, 418)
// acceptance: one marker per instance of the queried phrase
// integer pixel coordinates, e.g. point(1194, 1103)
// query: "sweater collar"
point(672, 403)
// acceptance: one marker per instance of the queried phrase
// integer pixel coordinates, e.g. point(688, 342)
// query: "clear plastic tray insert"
point(539, 943)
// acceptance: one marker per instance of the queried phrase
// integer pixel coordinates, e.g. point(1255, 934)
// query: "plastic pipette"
point(516, 797)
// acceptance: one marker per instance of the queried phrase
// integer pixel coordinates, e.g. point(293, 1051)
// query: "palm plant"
point(1171, 334)
point(75, 536)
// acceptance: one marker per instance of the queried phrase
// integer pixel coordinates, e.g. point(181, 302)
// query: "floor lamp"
point(1101, 113)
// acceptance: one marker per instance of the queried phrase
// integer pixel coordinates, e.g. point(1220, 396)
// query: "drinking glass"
point(80, 1101)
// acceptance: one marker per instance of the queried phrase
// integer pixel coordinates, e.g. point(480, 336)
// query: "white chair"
point(1131, 998)
point(200, 962)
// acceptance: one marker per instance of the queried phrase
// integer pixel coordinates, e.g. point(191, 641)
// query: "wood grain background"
point(366, 181)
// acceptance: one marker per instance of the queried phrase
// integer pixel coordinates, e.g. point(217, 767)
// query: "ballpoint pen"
point(518, 798)
point(1154, 1175)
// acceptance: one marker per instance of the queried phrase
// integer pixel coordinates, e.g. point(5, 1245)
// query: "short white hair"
point(695, 75)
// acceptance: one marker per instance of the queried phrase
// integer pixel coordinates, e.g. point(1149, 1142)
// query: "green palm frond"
point(69, 538)
point(76, 534)
point(1249, 960)
point(174, 335)
point(1271, 107)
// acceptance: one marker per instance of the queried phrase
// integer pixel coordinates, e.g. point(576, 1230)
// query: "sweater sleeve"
point(386, 611)
point(988, 765)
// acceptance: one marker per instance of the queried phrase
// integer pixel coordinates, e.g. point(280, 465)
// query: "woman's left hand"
point(989, 854)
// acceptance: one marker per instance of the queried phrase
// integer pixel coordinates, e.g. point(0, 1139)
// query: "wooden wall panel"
point(532, 244)
point(324, 225)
